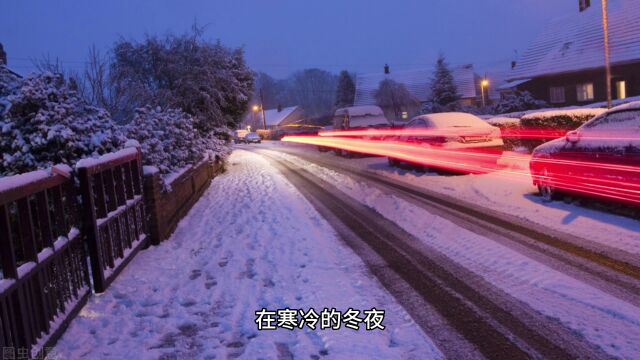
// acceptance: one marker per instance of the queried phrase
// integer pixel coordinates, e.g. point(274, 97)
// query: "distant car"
point(252, 138)
point(238, 136)
point(356, 118)
point(599, 159)
point(456, 141)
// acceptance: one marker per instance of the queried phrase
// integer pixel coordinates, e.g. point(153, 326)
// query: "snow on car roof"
point(629, 106)
point(455, 119)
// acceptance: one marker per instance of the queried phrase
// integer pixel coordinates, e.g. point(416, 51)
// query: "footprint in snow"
point(195, 274)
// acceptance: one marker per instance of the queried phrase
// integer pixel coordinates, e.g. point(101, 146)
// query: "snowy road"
point(285, 228)
point(598, 303)
point(251, 242)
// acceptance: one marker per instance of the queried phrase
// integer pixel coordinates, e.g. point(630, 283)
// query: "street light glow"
point(485, 83)
point(256, 108)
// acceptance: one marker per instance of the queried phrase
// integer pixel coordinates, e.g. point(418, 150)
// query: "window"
point(556, 94)
point(585, 91)
point(621, 89)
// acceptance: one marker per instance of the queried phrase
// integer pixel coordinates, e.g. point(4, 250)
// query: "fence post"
point(90, 230)
point(152, 190)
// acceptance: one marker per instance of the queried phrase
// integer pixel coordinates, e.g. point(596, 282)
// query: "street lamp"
point(484, 84)
point(607, 59)
point(256, 108)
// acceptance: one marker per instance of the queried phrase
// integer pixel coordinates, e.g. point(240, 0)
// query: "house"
point(565, 64)
point(417, 82)
point(275, 118)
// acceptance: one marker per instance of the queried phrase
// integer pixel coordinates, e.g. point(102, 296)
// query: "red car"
point(600, 159)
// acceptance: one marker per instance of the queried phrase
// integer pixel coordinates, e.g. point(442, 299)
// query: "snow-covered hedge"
point(169, 139)
point(44, 122)
point(506, 125)
point(555, 122)
point(560, 119)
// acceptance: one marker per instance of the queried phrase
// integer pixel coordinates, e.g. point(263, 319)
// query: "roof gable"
point(576, 42)
point(276, 118)
point(417, 82)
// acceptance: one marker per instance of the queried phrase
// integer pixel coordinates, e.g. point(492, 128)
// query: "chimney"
point(513, 64)
point(386, 69)
point(3, 56)
point(279, 108)
point(584, 4)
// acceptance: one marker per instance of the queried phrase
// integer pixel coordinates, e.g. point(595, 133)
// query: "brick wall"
point(166, 207)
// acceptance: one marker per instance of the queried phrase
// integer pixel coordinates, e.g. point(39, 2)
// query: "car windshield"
point(617, 121)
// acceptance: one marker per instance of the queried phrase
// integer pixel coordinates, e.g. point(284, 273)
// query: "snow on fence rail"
point(45, 280)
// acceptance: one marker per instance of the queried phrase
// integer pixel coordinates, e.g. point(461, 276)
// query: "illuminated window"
point(556, 94)
point(585, 91)
point(621, 89)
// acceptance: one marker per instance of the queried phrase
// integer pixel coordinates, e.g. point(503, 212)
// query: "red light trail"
point(607, 180)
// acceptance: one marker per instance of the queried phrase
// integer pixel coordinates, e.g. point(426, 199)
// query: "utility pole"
point(264, 117)
point(607, 58)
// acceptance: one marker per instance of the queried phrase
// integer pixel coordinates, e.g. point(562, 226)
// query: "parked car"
point(252, 138)
point(355, 118)
point(454, 141)
point(238, 136)
point(599, 159)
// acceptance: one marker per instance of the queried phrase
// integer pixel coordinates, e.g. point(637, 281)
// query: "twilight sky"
point(281, 36)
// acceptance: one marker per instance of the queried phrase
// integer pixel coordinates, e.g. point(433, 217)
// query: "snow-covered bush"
point(560, 119)
point(47, 123)
point(517, 101)
point(507, 127)
point(169, 139)
point(209, 81)
point(9, 84)
point(555, 123)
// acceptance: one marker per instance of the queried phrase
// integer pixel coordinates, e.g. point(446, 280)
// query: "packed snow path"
point(251, 242)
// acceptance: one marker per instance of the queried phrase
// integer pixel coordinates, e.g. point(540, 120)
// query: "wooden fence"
point(60, 239)
point(47, 236)
point(44, 274)
point(114, 216)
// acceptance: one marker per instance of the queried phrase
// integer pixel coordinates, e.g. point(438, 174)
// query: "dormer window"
point(584, 4)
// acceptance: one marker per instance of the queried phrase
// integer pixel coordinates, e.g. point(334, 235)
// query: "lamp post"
point(264, 117)
point(484, 84)
point(607, 59)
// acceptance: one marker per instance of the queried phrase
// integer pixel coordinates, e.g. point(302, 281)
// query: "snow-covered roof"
point(576, 42)
point(275, 117)
point(417, 82)
point(363, 110)
point(511, 84)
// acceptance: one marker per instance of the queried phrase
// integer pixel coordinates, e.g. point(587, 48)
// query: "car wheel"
point(547, 191)
point(393, 162)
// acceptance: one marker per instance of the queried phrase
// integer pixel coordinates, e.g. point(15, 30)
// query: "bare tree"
point(394, 96)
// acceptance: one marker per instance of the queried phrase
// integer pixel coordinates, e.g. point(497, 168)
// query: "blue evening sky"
point(281, 36)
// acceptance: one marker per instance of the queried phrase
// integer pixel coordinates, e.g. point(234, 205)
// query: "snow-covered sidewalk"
point(251, 242)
